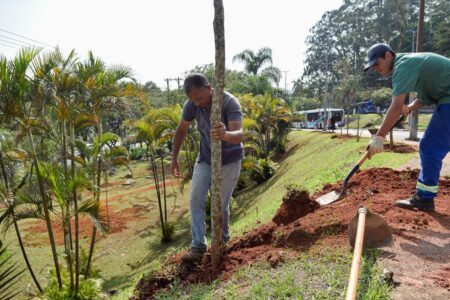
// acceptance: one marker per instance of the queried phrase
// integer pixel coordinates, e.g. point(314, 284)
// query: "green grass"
point(315, 159)
point(365, 120)
point(121, 257)
point(323, 276)
point(424, 119)
point(318, 160)
point(370, 120)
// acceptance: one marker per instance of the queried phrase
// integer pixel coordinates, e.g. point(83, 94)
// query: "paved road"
point(399, 135)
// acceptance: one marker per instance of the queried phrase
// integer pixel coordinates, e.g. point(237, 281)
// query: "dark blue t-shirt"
point(231, 111)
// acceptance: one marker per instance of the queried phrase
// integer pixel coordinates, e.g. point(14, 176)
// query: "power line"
point(23, 42)
point(24, 37)
point(14, 47)
point(12, 43)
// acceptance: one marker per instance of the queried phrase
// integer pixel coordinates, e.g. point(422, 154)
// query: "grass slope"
point(375, 120)
point(313, 159)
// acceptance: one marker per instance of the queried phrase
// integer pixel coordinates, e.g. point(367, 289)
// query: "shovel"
point(334, 196)
point(365, 230)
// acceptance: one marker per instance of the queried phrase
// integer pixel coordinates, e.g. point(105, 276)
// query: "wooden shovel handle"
point(363, 159)
point(356, 262)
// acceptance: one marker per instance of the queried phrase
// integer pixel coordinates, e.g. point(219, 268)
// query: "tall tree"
point(253, 63)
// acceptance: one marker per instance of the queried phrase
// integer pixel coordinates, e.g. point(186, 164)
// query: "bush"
point(255, 170)
point(89, 289)
point(169, 230)
point(137, 153)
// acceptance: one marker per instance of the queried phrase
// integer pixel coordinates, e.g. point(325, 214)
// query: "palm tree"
point(267, 113)
point(150, 130)
point(25, 101)
point(104, 91)
point(5, 87)
point(9, 275)
point(9, 199)
point(254, 62)
point(64, 84)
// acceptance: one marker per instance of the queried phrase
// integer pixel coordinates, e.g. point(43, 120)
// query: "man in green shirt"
point(428, 75)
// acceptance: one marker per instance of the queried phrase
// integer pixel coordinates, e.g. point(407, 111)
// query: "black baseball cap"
point(374, 52)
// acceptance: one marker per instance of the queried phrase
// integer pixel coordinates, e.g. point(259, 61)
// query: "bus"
point(316, 118)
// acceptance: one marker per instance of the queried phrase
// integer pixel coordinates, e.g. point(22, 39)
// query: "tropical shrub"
point(137, 153)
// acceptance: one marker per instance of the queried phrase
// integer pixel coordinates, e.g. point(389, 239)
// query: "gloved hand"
point(375, 146)
point(406, 110)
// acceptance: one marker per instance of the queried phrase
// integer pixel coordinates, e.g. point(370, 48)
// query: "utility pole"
point(285, 82)
point(414, 118)
point(168, 80)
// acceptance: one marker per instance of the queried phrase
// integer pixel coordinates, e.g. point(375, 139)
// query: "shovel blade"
point(328, 198)
point(376, 231)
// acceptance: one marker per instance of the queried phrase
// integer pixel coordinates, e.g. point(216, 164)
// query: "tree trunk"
point(419, 48)
point(164, 185)
point(68, 246)
point(158, 193)
point(97, 181)
point(216, 145)
point(46, 211)
point(357, 130)
point(16, 227)
point(75, 206)
point(94, 229)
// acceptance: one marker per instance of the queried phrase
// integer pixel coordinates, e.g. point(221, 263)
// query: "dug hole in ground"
point(419, 255)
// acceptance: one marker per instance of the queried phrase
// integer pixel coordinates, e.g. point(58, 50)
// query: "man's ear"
point(388, 55)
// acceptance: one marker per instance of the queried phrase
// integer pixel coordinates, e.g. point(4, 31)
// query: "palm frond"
point(84, 149)
point(117, 151)
point(85, 120)
point(17, 154)
point(91, 208)
point(109, 137)
point(10, 274)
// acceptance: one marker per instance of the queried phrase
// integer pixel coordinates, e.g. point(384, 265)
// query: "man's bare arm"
point(180, 134)
point(392, 114)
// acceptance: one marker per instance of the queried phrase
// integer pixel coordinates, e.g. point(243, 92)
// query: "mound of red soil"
point(399, 148)
point(342, 136)
point(300, 223)
point(295, 205)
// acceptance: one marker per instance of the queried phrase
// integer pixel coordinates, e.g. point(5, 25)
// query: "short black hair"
point(195, 80)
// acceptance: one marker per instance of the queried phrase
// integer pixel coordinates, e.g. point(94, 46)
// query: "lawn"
point(374, 120)
point(134, 248)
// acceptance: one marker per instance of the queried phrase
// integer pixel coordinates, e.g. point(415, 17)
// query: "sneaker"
point(416, 202)
point(193, 255)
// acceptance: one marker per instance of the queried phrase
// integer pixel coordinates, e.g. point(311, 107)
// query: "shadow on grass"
point(246, 199)
point(120, 282)
point(158, 249)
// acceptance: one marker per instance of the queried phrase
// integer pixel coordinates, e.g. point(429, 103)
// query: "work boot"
point(193, 255)
point(416, 202)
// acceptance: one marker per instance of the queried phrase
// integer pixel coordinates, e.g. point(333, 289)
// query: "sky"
point(162, 39)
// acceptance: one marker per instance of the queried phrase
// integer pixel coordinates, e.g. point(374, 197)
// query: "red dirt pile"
point(399, 148)
point(300, 223)
point(295, 205)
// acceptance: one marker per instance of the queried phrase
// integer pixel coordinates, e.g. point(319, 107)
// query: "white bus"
point(315, 118)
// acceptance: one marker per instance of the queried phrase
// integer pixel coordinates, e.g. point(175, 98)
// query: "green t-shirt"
point(427, 74)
